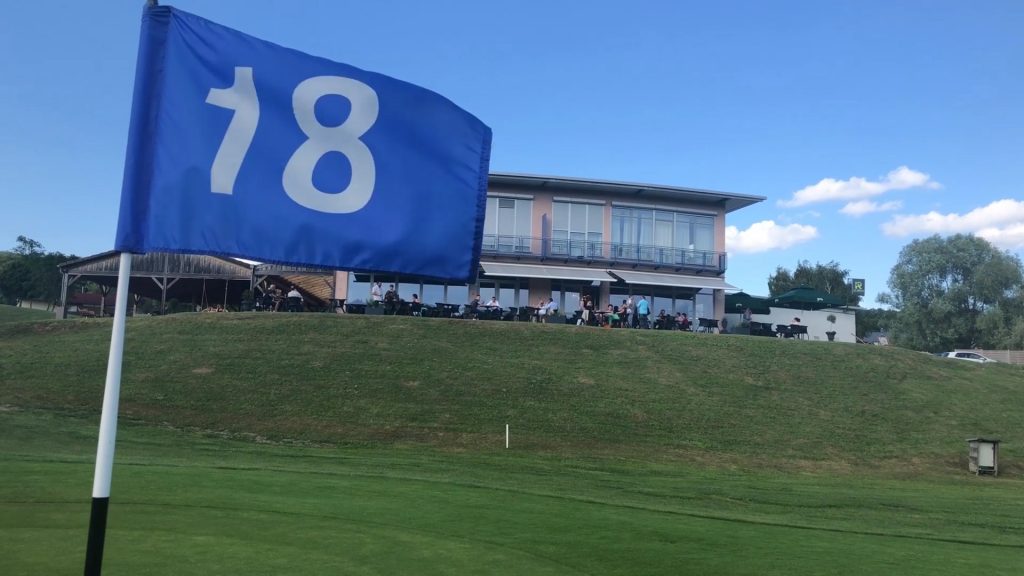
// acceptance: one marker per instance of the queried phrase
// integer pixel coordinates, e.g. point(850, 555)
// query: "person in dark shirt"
point(391, 300)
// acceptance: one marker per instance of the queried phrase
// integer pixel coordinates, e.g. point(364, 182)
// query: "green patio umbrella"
point(740, 301)
point(804, 297)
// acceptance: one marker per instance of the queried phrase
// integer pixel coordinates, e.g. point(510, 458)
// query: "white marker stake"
point(506, 435)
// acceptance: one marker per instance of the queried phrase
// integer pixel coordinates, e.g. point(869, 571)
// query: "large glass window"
point(508, 225)
point(577, 229)
point(663, 236)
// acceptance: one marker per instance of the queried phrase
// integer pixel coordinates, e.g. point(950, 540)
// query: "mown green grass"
point(16, 314)
point(187, 503)
point(316, 444)
point(455, 384)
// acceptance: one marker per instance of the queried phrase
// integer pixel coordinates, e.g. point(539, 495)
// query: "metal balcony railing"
point(604, 252)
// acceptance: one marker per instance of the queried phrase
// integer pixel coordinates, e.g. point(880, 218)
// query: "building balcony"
point(612, 254)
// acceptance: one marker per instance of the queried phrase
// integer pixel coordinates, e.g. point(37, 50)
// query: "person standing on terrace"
point(376, 294)
point(391, 300)
point(643, 310)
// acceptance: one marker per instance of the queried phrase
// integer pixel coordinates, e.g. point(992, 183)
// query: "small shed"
point(983, 455)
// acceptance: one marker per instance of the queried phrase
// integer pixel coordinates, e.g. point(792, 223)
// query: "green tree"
point(955, 292)
point(28, 247)
point(830, 278)
point(29, 272)
point(875, 320)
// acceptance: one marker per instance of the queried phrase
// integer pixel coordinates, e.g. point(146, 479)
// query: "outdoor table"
point(448, 310)
point(491, 312)
point(707, 325)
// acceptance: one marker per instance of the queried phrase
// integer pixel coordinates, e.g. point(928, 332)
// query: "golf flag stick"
point(108, 425)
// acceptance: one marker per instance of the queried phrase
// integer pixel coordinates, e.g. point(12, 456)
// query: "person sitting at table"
point(415, 306)
point(552, 308)
point(611, 317)
point(492, 303)
point(684, 323)
point(795, 328)
point(661, 322)
point(541, 314)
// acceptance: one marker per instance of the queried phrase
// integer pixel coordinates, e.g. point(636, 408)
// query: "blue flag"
point(240, 147)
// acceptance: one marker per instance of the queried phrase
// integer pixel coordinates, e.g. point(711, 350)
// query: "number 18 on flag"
point(240, 147)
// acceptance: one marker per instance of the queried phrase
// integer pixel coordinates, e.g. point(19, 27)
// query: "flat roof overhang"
point(729, 200)
point(541, 271)
point(676, 280)
point(504, 269)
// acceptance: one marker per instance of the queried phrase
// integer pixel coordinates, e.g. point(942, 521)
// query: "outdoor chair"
point(294, 304)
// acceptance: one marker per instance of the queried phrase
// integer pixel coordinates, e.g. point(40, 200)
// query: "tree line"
point(29, 272)
point(944, 293)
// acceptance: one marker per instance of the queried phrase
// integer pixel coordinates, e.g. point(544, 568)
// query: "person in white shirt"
point(294, 300)
point(376, 294)
point(542, 311)
point(552, 307)
point(493, 303)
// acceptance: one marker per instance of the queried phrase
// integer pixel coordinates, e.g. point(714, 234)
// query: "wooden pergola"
point(198, 278)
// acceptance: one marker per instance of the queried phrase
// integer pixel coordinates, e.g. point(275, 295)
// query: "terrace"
point(530, 248)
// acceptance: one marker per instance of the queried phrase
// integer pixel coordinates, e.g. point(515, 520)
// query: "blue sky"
point(865, 124)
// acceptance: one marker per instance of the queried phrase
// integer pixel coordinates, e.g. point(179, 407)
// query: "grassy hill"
point(265, 444)
point(356, 380)
point(16, 314)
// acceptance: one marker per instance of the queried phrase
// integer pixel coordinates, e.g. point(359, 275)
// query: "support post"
point(108, 425)
point(63, 296)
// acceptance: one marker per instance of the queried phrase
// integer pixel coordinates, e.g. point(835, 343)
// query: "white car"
point(969, 356)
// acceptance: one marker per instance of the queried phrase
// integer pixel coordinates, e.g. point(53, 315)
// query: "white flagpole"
point(108, 425)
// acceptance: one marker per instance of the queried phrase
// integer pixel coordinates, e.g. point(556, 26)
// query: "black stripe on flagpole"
point(97, 532)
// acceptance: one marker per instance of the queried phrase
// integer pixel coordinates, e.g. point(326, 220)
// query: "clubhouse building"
point(554, 237)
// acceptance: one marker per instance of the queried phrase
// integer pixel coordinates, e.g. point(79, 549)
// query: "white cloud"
point(862, 207)
point(857, 188)
point(1001, 222)
point(1011, 237)
point(767, 235)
